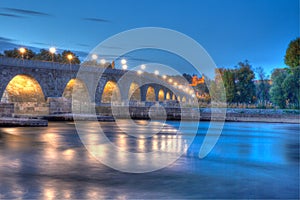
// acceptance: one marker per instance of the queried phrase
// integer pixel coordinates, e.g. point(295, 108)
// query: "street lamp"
point(164, 76)
point(52, 50)
point(156, 72)
point(70, 57)
point(22, 51)
point(103, 61)
point(123, 61)
point(143, 67)
point(94, 57)
point(124, 67)
point(139, 72)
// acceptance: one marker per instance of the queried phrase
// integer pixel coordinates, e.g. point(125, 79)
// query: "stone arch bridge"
point(33, 85)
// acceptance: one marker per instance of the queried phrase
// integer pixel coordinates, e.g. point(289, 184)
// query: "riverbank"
point(22, 122)
point(232, 115)
point(176, 114)
point(255, 115)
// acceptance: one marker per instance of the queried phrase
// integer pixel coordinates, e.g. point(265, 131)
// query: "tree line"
point(43, 55)
point(241, 88)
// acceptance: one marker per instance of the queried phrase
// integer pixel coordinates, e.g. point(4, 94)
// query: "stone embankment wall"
point(6, 109)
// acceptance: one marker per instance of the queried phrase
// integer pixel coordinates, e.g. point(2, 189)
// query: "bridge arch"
point(134, 93)
point(178, 98)
point(27, 95)
point(168, 96)
point(173, 97)
point(111, 92)
point(150, 95)
point(76, 86)
point(161, 95)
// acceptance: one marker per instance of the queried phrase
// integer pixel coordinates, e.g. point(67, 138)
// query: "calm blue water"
point(250, 160)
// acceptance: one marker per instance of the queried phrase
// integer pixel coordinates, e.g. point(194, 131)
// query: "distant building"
point(197, 81)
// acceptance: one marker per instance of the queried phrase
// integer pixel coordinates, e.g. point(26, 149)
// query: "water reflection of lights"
point(155, 145)
point(49, 193)
point(50, 137)
point(12, 131)
point(50, 154)
point(69, 154)
point(141, 144)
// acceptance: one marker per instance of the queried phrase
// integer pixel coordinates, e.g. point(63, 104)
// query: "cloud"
point(96, 20)
point(26, 12)
point(41, 43)
point(10, 15)
point(82, 45)
point(4, 39)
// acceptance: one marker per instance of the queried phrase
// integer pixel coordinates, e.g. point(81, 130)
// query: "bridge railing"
point(6, 61)
point(37, 64)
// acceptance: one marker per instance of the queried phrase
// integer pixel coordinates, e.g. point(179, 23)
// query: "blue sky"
point(230, 30)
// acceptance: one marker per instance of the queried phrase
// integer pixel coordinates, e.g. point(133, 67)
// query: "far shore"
point(232, 115)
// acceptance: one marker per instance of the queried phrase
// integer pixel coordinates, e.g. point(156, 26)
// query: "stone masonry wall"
point(6, 109)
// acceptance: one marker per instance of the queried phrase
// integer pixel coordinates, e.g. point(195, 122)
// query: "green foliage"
point(43, 55)
point(64, 57)
point(262, 88)
point(188, 77)
point(15, 53)
point(292, 55)
point(277, 90)
point(228, 76)
point(291, 87)
point(245, 83)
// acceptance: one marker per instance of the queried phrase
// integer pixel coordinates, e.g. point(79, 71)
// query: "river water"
point(250, 160)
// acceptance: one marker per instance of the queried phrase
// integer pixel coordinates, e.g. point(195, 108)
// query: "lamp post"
point(70, 57)
point(123, 61)
point(22, 51)
point(143, 67)
point(102, 61)
point(124, 67)
point(52, 50)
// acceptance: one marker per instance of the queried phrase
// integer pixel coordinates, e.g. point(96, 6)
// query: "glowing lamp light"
point(102, 61)
point(22, 50)
point(123, 62)
point(52, 50)
point(124, 67)
point(143, 67)
point(170, 80)
point(139, 72)
point(94, 57)
point(156, 72)
point(164, 76)
point(70, 56)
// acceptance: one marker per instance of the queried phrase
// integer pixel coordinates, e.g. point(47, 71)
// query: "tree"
point(64, 57)
point(277, 90)
point(45, 55)
point(262, 87)
point(15, 53)
point(188, 77)
point(245, 83)
point(291, 87)
point(228, 76)
point(292, 55)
